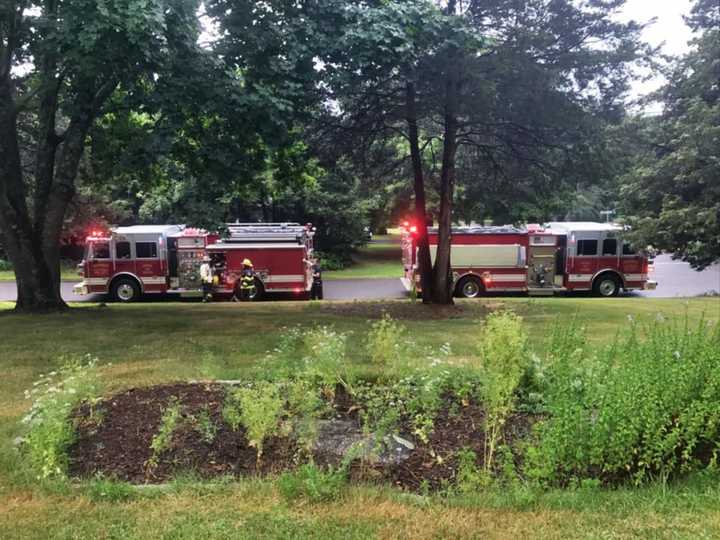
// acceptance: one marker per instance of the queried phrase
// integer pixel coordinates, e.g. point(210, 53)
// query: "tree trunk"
point(423, 255)
point(442, 273)
point(36, 288)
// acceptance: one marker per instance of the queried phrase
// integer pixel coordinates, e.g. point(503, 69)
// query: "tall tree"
point(672, 194)
point(60, 61)
point(500, 76)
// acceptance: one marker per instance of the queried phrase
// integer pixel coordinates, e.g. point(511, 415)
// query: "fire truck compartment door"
point(484, 256)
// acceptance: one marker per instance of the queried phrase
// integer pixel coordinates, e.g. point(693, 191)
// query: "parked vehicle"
point(129, 262)
point(540, 260)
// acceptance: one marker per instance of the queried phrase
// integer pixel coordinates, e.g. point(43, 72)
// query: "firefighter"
point(247, 280)
point(316, 292)
point(206, 278)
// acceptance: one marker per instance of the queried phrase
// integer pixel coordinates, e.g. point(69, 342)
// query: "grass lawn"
point(379, 259)
point(153, 343)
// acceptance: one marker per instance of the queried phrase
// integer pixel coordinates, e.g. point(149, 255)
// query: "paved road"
point(675, 279)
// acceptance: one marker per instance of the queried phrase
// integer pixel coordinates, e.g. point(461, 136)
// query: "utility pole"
point(607, 214)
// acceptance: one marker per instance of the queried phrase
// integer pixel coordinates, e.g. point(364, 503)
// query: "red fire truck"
point(539, 260)
point(128, 262)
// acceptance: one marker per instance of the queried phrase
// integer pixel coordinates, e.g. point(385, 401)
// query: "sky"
point(669, 30)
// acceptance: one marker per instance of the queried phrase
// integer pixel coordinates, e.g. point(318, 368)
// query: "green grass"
point(379, 259)
point(153, 343)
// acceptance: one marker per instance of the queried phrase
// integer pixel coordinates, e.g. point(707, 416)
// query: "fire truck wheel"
point(606, 285)
point(125, 290)
point(470, 287)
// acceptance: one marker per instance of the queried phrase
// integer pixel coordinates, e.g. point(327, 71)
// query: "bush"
point(259, 409)
point(50, 429)
point(312, 483)
point(640, 409)
point(5, 266)
point(333, 261)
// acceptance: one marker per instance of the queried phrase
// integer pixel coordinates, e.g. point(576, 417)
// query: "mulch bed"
point(114, 439)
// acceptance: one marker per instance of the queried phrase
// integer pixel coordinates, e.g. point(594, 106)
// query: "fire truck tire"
point(607, 285)
point(125, 290)
point(469, 287)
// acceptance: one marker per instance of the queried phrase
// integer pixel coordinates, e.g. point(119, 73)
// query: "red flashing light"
point(406, 224)
point(413, 229)
point(298, 289)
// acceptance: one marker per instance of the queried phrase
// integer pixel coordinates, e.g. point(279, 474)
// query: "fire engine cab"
point(129, 262)
point(539, 260)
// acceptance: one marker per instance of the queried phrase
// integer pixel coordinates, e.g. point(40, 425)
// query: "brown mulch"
point(114, 440)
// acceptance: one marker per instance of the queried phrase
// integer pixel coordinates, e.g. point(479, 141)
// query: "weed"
point(205, 425)
point(469, 478)
point(305, 407)
point(171, 417)
point(50, 428)
point(326, 362)
point(259, 409)
point(385, 344)
point(313, 483)
point(503, 356)
point(105, 489)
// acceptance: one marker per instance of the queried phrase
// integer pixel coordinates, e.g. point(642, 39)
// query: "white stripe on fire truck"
point(508, 277)
point(636, 277)
point(285, 278)
point(153, 280)
point(96, 281)
point(580, 277)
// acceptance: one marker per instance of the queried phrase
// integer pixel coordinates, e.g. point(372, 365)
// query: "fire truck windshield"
point(98, 250)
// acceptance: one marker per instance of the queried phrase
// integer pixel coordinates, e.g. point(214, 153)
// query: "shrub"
point(5, 266)
point(503, 356)
point(640, 409)
point(260, 409)
point(50, 429)
point(313, 483)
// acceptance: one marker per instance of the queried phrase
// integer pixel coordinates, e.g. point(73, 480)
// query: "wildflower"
point(676, 354)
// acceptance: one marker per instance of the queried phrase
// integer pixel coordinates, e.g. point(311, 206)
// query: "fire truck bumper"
point(80, 289)
point(651, 285)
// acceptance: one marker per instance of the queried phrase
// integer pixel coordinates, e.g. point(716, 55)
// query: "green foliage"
point(258, 408)
point(504, 360)
point(670, 194)
point(386, 343)
point(103, 489)
point(50, 428)
point(325, 361)
point(205, 426)
point(311, 483)
point(5, 266)
point(470, 478)
point(169, 422)
point(305, 407)
point(645, 407)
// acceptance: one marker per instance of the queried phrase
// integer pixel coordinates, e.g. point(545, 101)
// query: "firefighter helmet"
point(247, 262)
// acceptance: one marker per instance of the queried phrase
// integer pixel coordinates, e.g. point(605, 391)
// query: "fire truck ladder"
point(266, 232)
